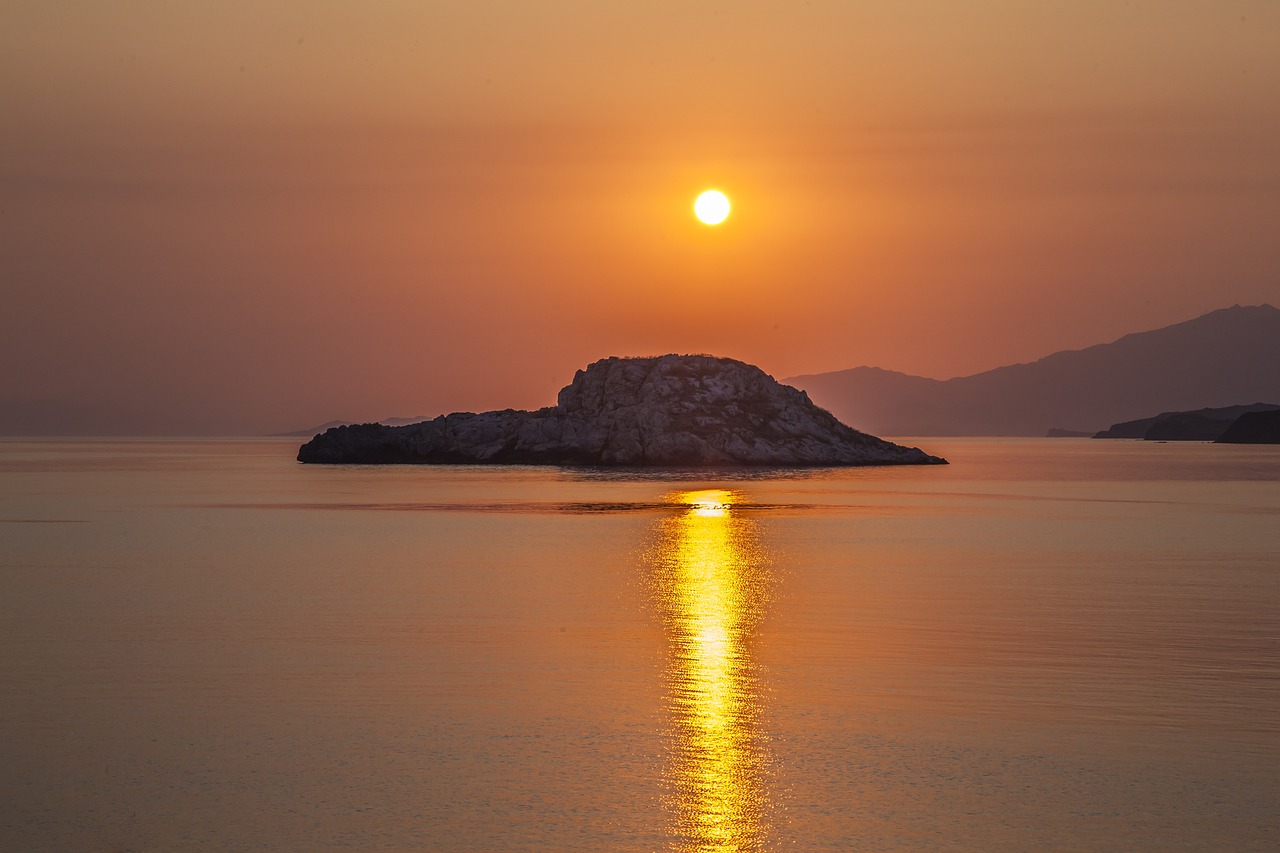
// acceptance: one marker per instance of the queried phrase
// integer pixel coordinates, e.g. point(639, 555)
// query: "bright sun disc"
point(712, 207)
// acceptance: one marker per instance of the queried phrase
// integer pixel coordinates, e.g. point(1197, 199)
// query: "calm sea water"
point(1047, 645)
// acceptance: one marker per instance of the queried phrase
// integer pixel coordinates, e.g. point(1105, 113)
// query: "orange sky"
point(265, 215)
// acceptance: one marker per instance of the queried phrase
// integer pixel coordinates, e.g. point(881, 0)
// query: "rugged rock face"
point(668, 411)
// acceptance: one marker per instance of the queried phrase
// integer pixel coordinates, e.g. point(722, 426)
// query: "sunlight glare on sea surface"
point(712, 586)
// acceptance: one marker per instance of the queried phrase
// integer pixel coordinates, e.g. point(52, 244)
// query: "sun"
point(712, 207)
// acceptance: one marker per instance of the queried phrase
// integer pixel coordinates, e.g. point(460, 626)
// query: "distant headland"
point(664, 411)
point(1218, 424)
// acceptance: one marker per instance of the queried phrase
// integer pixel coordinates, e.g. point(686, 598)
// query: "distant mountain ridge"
point(1226, 357)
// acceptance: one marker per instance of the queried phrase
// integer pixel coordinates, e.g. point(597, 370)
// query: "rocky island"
point(665, 411)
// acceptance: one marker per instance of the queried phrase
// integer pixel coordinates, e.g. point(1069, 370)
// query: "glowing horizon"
point(258, 220)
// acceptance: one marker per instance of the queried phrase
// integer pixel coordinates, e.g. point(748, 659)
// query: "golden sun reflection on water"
point(711, 585)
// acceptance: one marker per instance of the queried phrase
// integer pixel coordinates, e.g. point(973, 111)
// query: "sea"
point(1047, 645)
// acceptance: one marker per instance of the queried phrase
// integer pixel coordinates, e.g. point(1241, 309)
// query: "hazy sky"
point(257, 216)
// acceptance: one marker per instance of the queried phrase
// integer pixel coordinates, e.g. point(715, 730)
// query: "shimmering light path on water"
point(712, 588)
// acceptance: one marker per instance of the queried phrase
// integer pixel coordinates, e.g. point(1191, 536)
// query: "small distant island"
point(663, 411)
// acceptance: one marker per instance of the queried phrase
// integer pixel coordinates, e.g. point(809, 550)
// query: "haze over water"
point(254, 217)
point(1047, 645)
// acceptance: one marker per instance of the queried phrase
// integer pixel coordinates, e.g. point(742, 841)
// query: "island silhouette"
point(662, 411)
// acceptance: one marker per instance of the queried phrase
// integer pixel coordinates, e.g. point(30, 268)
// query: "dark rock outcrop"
point(1198, 425)
point(1253, 428)
point(667, 411)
